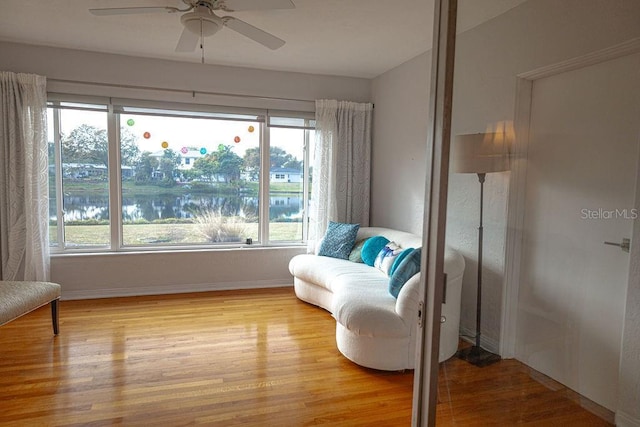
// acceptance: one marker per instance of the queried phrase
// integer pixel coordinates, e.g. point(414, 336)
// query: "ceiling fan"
point(200, 20)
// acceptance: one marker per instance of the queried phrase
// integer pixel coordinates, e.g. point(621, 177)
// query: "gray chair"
point(18, 298)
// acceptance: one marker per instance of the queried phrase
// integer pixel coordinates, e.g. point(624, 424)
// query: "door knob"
point(625, 245)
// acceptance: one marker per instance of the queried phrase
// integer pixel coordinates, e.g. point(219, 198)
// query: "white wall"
point(400, 145)
point(147, 273)
point(488, 58)
point(165, 272)
point(76, 65)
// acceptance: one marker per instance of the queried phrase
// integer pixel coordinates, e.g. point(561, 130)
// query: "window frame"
point(113, 108)
point(308, 125)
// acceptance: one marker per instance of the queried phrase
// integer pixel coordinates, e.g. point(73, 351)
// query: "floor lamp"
point(480, 153)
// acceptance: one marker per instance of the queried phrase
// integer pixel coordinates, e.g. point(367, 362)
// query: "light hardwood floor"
point(255, 357)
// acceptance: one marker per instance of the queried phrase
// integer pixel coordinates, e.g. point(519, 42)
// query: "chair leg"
point(54, 315)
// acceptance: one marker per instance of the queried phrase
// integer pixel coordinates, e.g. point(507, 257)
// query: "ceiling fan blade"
point(131, 10)
point(188, 41)
point(254, 33)
point(236, 5)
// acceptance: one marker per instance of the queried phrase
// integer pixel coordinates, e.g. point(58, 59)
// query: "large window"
point(130, 175)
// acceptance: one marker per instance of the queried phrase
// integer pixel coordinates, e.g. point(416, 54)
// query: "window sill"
point(181, 250)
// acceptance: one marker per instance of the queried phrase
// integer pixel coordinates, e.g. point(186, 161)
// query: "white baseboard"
point(170, 289)
point(625, 420)
point(489, 344)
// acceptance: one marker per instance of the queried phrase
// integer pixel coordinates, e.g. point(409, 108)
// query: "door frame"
point(425, 379)
point(517, 181)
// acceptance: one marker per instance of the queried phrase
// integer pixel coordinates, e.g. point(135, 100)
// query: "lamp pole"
point(481, 177)
point(480, 153)
point(475, 354)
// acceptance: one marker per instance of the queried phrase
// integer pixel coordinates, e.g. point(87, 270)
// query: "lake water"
point(281, 207)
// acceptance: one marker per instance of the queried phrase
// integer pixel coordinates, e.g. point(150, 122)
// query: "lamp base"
point(477, 356)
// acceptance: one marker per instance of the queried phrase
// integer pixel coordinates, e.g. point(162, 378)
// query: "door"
point(580, 187)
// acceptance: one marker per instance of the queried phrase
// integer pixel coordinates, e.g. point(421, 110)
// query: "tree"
point(89, 144)
point(169, 162)
point(279, 158)
point(223, 162)
point(145, 167)
point(293, 164)
point(229, 163)
point(85, 144)
point(205, 166)
point(251, 163)
point(129, 151)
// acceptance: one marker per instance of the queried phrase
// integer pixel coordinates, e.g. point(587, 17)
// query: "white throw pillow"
point(386, 257)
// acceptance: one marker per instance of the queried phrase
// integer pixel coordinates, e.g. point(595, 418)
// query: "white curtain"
point(341, 167)
point(24, 191)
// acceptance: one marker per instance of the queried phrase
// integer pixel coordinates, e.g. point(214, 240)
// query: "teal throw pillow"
point(405, 271)
point(372, 248)
point(399, 259)
point(339, 240)
point(356, 252)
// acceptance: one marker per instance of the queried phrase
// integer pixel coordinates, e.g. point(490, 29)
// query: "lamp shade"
point(480, 153)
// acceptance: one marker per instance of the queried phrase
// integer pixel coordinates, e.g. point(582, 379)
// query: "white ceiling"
point(359, 38)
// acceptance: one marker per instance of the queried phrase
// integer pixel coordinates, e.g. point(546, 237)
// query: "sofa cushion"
point(356, 252)
point(326, 272)
point(339, 239)
point(372, 248)
point(366, 308)
point(407, 269)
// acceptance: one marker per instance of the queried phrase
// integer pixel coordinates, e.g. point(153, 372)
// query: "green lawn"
point(165, 234)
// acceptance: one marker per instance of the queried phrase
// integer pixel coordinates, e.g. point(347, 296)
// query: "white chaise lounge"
point(373, 328)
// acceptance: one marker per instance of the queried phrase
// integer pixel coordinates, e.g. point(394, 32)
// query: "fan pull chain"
point(201, 42)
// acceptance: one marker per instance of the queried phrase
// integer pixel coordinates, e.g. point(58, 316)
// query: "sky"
point(153, 131)
point(180, 133)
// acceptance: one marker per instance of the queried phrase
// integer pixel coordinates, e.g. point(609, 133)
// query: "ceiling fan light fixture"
point(202, 23)
point(200, 20)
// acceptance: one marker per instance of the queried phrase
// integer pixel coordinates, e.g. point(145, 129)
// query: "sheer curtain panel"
point(24, 191)
point(341, 167)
